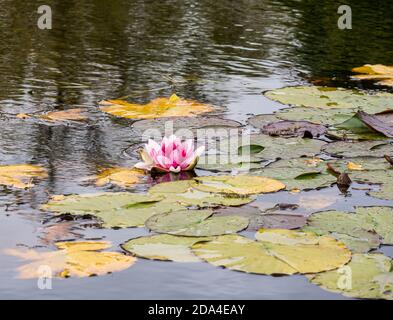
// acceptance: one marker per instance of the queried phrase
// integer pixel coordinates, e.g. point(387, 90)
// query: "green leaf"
point(115, 210)
point(196, 223)
point(164, 247)
point(367, 276)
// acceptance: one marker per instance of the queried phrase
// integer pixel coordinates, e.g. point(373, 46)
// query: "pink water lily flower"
point(172, 155)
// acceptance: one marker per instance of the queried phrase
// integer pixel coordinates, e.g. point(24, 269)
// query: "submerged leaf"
point(303, 129)
point(196, 223)
point(158, 108)
point(20, 175)
point(73, 259)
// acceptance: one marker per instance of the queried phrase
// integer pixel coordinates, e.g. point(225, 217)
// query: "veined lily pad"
point(237, 164)
point(183, 192)
point(240, 184)
point(361, 231)
point(158, 108)
point(164, 247)
point(65, 115)
point(277, 251)
point(367, 276)
point(20, 176)
point(115, 210)
point(356, 231)
point(328, 98)
point(73, 259)
point(196, 223)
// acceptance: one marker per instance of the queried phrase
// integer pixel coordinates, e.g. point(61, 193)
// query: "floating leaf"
point(355, 230)
point(73, 259)
point(237, 164)
point(367, 276)
point(302, 173)
point(276, 252)
point(380, 123)
point(288, 128)
point(270, 148)
point(164, 247)
point(20, 175)
point(358, 149)
point(314, 115)
point(174, 125)
point(65, 115)
point(195, 223)
point(382, 177)
point(375, 72)
point(238, 185)
point(123, 177)
point(115, 210)
point(328, 98)
point(265, 219)
point(158, 108)
point(183, 192)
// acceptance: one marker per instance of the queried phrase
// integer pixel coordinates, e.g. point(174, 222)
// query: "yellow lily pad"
point(122, 177)
point(241, 184)
point(375, 72)
point(73, 259)
point(157, 108)
point(20, 175)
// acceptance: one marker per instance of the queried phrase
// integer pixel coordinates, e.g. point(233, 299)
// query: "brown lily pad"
point(302, 129)
point(382, 123)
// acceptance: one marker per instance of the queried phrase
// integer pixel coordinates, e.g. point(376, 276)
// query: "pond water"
point(222, 52)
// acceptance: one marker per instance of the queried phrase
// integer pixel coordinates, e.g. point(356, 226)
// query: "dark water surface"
point(222, 52)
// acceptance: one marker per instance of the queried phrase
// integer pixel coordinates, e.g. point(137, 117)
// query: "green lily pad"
point(115, 210)
point(239, 164)
point(276, 252)
point(271, 148)
point(361, 231)
point(259, 219)
point(358, 149)
point(356, 231)
point(330, 98)
point(314, 115)
point(184, 193)
point(196, 223)
point(384, 178)
point(303, 173)
point(164, 247)
point(238, 185)
point(367, 276)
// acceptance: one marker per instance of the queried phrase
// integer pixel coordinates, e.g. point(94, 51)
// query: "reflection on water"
point(222, 52)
